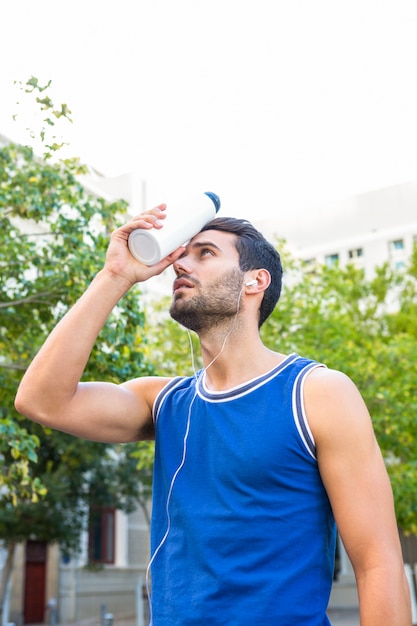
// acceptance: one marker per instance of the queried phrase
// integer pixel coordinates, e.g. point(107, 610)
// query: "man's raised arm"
point(51, 393)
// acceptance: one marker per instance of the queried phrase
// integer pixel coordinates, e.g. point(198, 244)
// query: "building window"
point(356, 257)
point(331, 259)
point(397, 244)
point(309, 266)
point(101, 539)
point(397, 253)
point(356, 253)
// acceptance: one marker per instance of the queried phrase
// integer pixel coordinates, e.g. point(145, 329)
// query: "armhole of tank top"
point(299, 412)
point(162, 395)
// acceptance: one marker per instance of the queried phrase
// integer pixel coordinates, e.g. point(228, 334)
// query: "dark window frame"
point(102, 536)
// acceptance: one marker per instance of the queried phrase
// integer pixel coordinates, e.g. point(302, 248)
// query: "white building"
point(367, 229)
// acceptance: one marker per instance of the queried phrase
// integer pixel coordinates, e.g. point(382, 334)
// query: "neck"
point(235, 356)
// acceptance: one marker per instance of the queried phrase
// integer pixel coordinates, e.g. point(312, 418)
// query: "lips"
point(182, 283)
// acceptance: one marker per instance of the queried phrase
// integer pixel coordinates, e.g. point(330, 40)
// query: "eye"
point(206, 252)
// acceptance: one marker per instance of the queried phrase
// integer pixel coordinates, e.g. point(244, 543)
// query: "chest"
point(244, 442)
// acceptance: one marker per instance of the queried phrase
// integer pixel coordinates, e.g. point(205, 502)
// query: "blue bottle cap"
point(215, 198)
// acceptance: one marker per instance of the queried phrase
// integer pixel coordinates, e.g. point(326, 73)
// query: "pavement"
point(338, 617)
point(344, 617)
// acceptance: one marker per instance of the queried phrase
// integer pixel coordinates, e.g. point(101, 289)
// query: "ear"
point(258, 282)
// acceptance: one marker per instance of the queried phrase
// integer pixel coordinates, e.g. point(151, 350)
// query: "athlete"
point(258, 457)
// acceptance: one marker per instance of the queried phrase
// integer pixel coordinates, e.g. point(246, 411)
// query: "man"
point(257, 457)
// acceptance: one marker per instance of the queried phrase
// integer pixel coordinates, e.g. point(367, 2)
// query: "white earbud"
point(251, 282)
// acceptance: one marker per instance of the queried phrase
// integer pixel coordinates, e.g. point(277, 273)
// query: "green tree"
point(53, 239)
point(172, 349)
point(367, 329)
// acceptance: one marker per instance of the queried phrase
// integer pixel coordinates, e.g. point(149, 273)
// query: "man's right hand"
point(121, 263)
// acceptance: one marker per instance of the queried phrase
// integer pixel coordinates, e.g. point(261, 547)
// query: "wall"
point(82, 592)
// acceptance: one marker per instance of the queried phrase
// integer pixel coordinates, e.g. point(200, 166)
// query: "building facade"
point(366, 230)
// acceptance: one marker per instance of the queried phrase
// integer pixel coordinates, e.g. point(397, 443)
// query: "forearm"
point(384, 598)
point(52, 378)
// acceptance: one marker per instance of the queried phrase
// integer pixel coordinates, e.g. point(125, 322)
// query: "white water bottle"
point(179, 226)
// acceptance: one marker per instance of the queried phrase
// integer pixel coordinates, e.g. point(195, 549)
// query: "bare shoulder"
point(142, 393)
point(147, 387)
point(334, 404)
point(324, 378)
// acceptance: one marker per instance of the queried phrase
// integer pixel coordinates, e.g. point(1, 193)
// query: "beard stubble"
point(213, 306)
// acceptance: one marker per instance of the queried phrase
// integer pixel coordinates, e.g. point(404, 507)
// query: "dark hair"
point(255, 252)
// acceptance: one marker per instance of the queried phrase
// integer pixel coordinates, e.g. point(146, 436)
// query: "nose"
point(181, 265)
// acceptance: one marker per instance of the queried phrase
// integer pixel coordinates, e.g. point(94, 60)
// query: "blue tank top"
point(242, 529)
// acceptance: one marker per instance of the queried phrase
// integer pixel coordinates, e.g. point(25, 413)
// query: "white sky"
point(276, 105)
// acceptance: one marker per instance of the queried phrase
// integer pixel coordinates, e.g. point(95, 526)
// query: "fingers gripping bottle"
point(179, 226)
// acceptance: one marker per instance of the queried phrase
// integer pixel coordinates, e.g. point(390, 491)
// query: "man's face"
point(208, 283)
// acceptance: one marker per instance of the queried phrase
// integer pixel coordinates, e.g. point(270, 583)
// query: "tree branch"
point(38, 297)
point(12, 366)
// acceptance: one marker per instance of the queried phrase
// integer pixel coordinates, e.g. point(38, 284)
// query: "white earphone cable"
point(184, 452)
